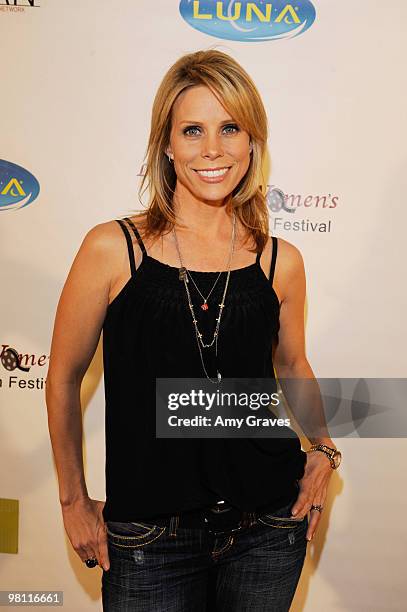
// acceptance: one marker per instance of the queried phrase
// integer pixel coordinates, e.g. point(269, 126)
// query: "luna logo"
point(249, 21)
point(18, 187)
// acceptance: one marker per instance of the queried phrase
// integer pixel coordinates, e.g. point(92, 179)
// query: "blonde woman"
point(194, 286)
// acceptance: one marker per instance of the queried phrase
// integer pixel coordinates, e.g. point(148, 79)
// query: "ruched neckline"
point(170, 274)
point(203, 272)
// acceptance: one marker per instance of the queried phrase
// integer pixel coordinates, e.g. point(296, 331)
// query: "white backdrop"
point(77, 84)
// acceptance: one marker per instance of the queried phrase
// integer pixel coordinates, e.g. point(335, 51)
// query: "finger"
point(87, 553)
point(103, 550)
point(301, 506)
point(313, 522)
point(89, 550)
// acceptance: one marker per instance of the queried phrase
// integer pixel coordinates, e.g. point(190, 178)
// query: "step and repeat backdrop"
point(77, 84)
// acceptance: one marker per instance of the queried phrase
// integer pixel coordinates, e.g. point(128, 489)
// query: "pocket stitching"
point(292, 522)
point(135, 536)
point(136, 544)
point(282, 518)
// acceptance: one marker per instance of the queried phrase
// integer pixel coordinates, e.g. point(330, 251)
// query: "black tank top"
point(147, 333)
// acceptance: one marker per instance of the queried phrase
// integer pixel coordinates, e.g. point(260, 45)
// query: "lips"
point(212, 169)
point(213, 176)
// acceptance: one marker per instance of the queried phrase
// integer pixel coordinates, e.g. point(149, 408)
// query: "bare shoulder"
point(289, 271)
point(107, 240)
point(289, 257)
point(109, 233)
point(104, 236)
point(102, 255)
point(109, 244)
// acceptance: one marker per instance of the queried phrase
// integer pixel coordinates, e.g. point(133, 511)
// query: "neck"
point(200, 217)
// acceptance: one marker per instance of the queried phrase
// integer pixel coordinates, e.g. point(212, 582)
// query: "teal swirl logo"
point(249, 21)
point(18, 187)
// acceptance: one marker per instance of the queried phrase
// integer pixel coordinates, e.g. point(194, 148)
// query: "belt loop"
point(246, 519)
point(249, 519)
point(174, 522)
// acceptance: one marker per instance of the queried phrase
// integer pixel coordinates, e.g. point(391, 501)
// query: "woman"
point(192, 287)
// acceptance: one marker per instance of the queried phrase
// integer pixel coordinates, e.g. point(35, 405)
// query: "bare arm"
point(301, 388)
point(79, 319)
point(293, 370)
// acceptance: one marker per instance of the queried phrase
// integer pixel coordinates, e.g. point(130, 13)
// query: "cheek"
point(243, 156)
point(183, 150)
point(240, 152)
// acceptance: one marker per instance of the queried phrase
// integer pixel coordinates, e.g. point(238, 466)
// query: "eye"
point(232, 125)
point(187, 131)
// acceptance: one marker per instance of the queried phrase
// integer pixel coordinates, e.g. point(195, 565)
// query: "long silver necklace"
point(183, 275)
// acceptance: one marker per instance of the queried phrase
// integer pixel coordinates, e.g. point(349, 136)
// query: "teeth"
point(213, 172)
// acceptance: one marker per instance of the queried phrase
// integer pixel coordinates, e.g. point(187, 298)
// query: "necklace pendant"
point(219, 376)
point(204, 306)
point(183, 274)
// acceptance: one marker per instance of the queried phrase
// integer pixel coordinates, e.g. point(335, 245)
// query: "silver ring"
point(319, 508)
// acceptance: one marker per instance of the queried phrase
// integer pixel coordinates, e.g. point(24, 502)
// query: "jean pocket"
point(133, 534)
point(281, 518)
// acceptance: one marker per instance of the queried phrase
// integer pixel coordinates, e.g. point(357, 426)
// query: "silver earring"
point(169, 159)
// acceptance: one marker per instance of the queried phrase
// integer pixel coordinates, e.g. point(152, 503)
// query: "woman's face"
point(204, 137)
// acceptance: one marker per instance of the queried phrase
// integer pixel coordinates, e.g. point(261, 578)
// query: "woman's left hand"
point(313, 487)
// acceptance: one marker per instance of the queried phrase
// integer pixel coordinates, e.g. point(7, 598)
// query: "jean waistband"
point(221, 515)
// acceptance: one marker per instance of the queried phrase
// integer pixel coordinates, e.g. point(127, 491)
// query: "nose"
point(212, 146)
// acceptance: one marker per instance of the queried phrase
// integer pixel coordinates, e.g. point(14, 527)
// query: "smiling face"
point(210, 151)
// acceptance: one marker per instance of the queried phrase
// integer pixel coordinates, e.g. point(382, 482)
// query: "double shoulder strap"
point(143, 248)
point(129, 242)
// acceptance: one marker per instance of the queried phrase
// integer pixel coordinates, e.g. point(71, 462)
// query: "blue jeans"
point(156, 568)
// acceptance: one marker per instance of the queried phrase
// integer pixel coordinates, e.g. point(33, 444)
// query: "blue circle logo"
point(249, 21)
point(18, 187)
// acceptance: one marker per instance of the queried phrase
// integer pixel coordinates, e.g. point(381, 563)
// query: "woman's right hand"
point(86, 529)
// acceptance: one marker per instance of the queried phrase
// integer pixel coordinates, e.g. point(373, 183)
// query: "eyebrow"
point(199, 123)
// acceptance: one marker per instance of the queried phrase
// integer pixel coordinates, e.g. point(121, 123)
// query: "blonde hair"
point(237, 92)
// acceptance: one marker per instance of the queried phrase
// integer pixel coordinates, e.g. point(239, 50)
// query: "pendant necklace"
point(184, 271)
point(183, 276)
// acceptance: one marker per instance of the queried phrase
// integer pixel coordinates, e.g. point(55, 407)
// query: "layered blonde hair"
point(234, 88)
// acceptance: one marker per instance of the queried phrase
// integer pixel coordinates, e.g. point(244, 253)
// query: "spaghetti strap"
point(129, 246)
point(273, 259)
point(137, 235)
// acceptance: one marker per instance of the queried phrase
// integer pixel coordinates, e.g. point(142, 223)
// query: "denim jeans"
point(156, 568)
